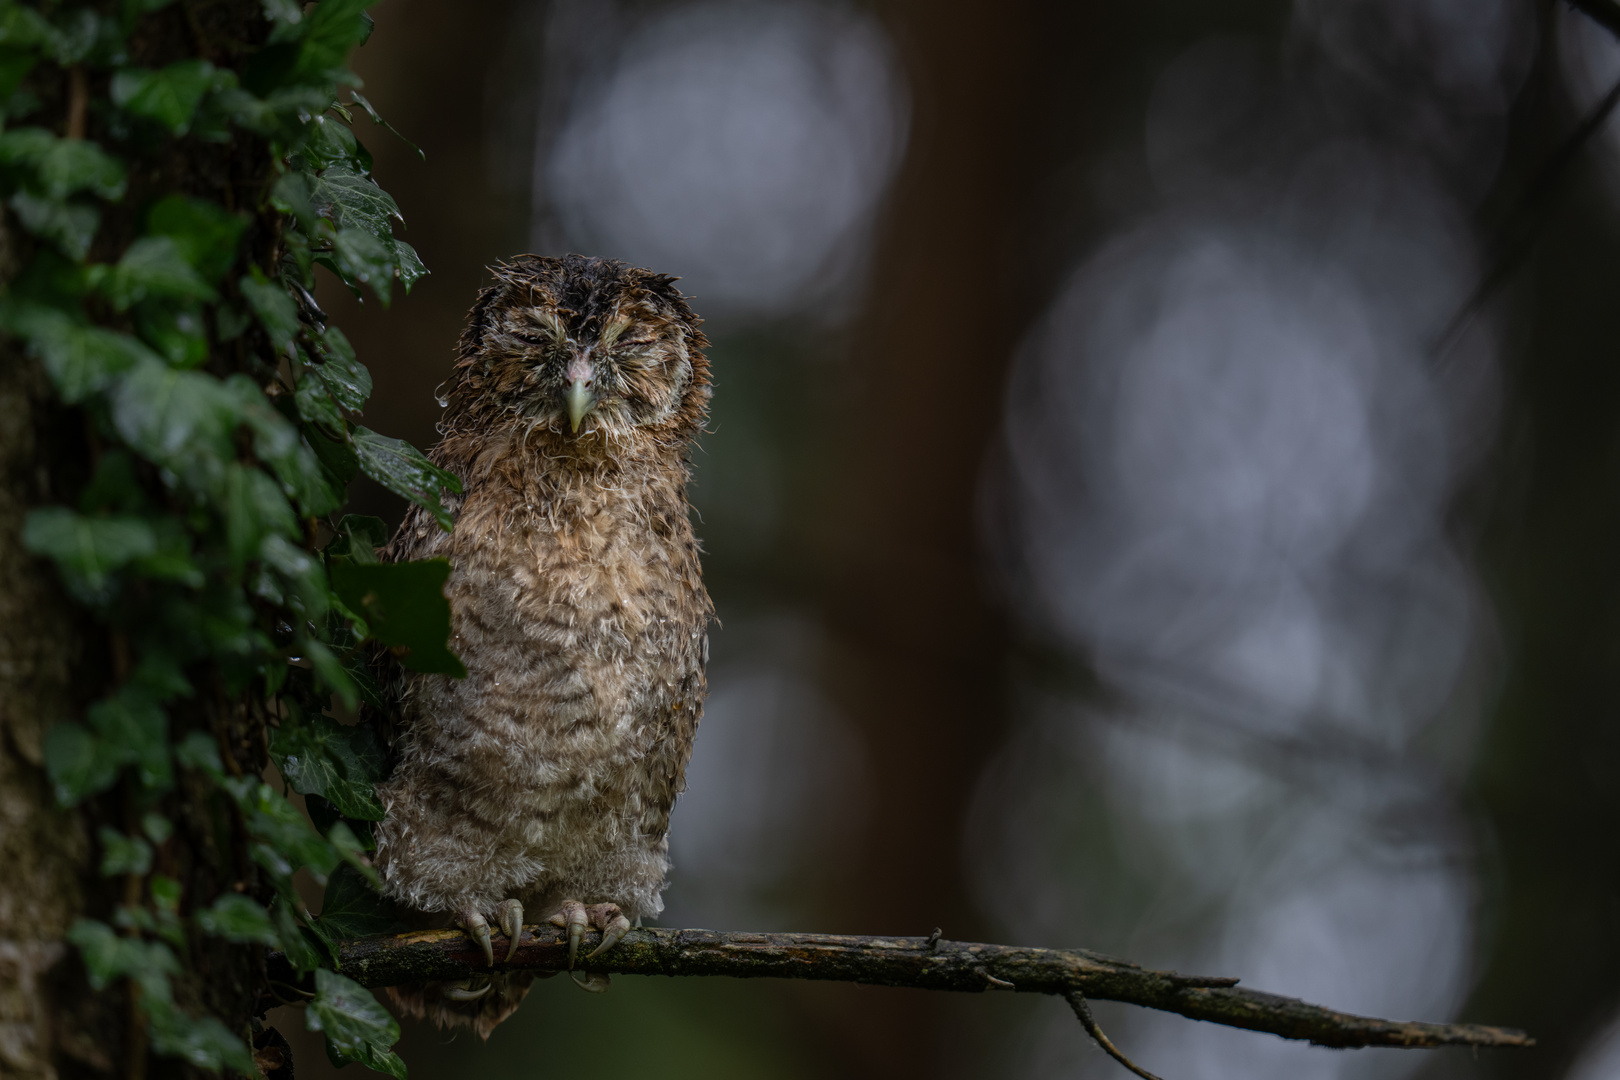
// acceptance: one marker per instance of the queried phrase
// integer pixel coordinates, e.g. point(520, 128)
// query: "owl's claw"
point(477, 928)
point(593, 981)
point(509, 913)
point(574, 919)
point(460, 992)
point(614, 927)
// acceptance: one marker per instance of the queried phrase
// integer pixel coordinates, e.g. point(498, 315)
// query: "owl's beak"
point(581, 394)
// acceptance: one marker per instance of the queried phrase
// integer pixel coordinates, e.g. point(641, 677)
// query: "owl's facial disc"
point(580, 396)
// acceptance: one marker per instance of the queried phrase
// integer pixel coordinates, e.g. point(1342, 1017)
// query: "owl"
point(541, 784)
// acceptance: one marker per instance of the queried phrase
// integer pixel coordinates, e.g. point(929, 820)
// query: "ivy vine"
point(219, 409)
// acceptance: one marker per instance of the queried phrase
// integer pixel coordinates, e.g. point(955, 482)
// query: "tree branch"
point(923, 963)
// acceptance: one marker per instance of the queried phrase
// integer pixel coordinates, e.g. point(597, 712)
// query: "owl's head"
point(587, 352)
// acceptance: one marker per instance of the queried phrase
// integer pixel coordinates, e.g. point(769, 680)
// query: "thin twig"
point(1077, 1002)
point(449, 955)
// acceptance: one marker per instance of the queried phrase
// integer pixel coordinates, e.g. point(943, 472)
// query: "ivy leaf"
point(136, 730)
point(255, 508)
point(108, 956)
point(152, 266)
point(315, 404)
point(60, 166)
point(204, 1041)
point(356, 201)
point(359, 257)
point(358, 538)
point(276, 311)
point(376, 118)
point(319, 756)
point(405, 608)
point(356, 1027)
point(170, 95)
point(335, 28)
point(78, 763)
point(353, 909)
point(87, 550)
point(70, 226)
point(238, 918)
point(180, 420)
point(294, 942)
point(122, 854)
point(205, 234)
point(344, 375)
point(401, 468)
point(277, 824)
point(175, 331)
point(410, 269)
point(81, 360)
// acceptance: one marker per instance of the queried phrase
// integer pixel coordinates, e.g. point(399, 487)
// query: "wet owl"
point(540, 786)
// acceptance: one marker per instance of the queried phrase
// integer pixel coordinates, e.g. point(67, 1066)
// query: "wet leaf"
point(405, 608)
point(355, 1026)
point(205, 234)
point(238, 918)
point(153, 266)
point(60, 166)
point(353, 909)
point(319, 756)
point(277, 312)
point(402, 469)
point(344, 375)
point(169, 96)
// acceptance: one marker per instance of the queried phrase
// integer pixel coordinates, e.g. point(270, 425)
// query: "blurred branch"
point(922, 963)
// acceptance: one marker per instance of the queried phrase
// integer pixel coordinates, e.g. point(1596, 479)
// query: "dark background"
point(1113, 546)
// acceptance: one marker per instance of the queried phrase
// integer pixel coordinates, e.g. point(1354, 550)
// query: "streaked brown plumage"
point(548, 774)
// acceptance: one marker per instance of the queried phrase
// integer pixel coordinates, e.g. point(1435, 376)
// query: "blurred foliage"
point(220, 411)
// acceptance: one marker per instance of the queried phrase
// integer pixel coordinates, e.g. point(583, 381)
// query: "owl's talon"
point(509, 913)
point(593, 981)
point(613, 925)
point(574, 919)
point(460, 991)
point(477, 928)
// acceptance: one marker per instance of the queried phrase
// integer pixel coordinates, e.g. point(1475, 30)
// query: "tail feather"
point(427, 1001)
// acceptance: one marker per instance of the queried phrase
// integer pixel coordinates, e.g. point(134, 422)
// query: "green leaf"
point(294, 942)
point(153, 266)
point(355, 201)
point(203, 1041)
point(319, 756)
point(169, 96)
point(353, 909)
point(410, 269)
point(277, 824)
point(70, 226)
point(182, 421)
point(405, 608)
point(294, 193)
point(136, 729)
point(87, 550)
point(315, 404)
point(81, 360)
point(255, 508)
point(335, 27)
point(356, 1027)
point(122, 854)
point(78, 763)
point(276, 311)
point(359, 258)
point(401, 468)
point(62, 167)
point(358, 538)
point(206, 235)
point(177, 332)
point(238, 918)
point(344, 375)
point(108, 956)
point(376, 118)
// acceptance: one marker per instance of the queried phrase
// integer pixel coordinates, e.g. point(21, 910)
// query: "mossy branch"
point(930, 963)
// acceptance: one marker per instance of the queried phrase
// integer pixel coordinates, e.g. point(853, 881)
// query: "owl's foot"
point(508, 913)
point(575, 917)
